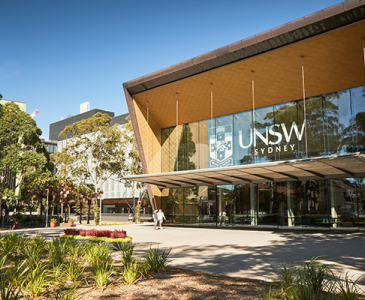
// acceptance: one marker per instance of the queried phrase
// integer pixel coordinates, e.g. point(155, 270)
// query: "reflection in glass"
point(338, 118)
point(242, 138)
point(203, 145)
point(358, 117)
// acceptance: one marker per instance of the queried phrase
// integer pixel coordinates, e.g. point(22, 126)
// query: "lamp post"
point(47, 209)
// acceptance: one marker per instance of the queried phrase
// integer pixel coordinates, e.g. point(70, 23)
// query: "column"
point(289, 198)
point(253, 204)
point(333, 202)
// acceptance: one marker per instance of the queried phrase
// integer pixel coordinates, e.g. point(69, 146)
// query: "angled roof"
point(336, 16)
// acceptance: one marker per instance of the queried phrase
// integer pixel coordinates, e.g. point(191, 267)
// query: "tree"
point(23, 155)
point(85, 196)
point(132, 162)
point(94, 152)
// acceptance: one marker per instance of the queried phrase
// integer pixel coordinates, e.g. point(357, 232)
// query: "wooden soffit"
point(332, 61)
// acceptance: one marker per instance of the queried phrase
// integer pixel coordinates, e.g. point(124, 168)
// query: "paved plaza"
point(250, 254)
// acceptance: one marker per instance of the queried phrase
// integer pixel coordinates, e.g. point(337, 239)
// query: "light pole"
point(47, 209)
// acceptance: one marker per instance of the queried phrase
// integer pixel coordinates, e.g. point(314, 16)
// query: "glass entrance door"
point(266, 205)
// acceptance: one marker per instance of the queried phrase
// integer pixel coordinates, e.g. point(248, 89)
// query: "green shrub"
point(10, 244)
point(143, 268)
point(37, 281)
point(73, 270)
point(15, 275)
point(348, 288)
point(157, 259)
point(130, 273)
point(57, 251)
point(74, 249)
point(96, 252)
point(312, 281)
point(8, 293)
point(66, 295)
point(126, 252)
point(314, 278)
point(102, 273)
point(97, 239)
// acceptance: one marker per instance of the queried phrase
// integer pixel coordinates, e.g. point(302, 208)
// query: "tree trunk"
point(88, 213)
point(80, 211)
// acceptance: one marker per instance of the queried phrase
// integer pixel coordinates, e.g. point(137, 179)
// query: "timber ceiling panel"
point(277, 76)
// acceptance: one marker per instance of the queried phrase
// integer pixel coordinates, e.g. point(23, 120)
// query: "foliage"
point(15, 275)
point(96, 252)
point(126, 252)
point(36, 268)
point(143, 268)
point(66, 295)
point(37, 280)
point(57, 251)
point(17, 217)
point(157, 259)
point(312, 281)
point(98, 233)
point(74, 249)
point(23, 152)
point(132, 163)
point(130, 273)
point(8, 293)
point(102, 273)
point(348, 288)
point(73, 270)
point(94, 152)
point(98, 239)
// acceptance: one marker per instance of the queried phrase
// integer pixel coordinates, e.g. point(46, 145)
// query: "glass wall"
point(326, 204)
point(335, 124)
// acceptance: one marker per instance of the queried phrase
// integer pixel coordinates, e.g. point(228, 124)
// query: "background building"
point(267, 131)
point(117, 200)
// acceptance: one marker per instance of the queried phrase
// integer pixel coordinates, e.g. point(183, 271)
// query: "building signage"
point(263, 141)
point(276, 140)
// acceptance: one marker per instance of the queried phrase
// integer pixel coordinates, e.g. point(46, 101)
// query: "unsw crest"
point(220, 147)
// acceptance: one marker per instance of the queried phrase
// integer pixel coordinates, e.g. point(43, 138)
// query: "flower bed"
point(117, 236)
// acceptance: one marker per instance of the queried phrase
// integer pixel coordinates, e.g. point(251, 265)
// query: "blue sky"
point(54, 55)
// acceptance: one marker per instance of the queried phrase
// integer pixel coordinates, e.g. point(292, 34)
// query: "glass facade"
point(335, 124)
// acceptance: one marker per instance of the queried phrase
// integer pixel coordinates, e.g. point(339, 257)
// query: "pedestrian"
point(160, 218)
point(223, 217)
point(155, 218)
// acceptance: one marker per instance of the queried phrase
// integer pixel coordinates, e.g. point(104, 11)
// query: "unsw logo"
point(221, 147)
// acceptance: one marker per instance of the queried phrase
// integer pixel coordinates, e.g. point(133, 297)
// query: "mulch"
point(178, 284)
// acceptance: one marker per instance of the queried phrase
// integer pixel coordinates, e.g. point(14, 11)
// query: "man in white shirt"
point(160, 218)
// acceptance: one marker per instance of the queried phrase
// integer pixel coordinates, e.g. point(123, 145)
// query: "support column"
point(333, 202)
point(253, 204)
point(289, 198)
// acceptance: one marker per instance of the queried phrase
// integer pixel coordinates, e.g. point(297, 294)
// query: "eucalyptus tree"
point(132, 162)
point(93, 153)
point(23, 155)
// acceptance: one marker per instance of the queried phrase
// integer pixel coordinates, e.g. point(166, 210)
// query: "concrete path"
point(251, 254)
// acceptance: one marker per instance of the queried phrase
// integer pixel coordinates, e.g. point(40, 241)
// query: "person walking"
point(155, 218)
point(160, 218)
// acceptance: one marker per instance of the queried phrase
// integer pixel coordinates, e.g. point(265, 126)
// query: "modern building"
point(266, 132)
point(117, 200)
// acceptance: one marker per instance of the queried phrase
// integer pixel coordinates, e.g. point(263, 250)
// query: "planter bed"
point(112, 238)
point(97, 239)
